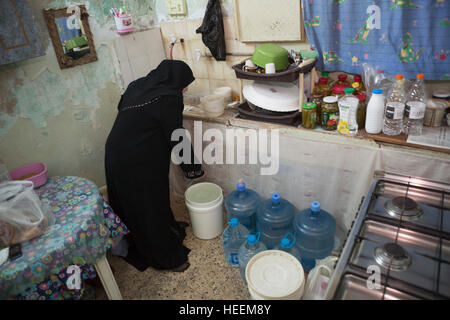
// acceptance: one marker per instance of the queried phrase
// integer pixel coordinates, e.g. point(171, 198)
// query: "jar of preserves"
point(361, 112)
point(330, 113)
point(318, 100)
point(322, 88)
point(342, 79)
point(309, 115)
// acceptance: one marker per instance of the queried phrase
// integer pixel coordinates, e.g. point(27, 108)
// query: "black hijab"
point(168, 79)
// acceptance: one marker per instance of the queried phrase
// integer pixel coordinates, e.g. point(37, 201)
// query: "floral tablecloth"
point(84, 229)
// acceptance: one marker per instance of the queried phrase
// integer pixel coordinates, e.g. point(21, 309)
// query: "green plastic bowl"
point(271, 53)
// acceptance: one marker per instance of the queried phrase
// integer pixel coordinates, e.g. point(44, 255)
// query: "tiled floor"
point(209, 277)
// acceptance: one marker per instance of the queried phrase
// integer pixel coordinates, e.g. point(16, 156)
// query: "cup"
point(270, 68)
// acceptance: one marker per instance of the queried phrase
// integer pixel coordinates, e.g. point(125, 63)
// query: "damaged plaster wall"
point(62, 117)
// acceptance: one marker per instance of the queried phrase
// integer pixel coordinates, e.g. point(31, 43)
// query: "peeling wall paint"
point(62, 117)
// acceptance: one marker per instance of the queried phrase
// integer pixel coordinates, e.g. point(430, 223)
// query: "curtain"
point(398, 36)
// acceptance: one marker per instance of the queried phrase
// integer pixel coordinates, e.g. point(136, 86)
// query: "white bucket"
point(275, 275)
point(204, 202)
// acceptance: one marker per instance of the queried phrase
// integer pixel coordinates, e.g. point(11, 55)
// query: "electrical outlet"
point(176, 7)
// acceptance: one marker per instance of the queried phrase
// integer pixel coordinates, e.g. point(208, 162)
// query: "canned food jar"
point(309, 115)
point(318, 100)
point(330, 113)
point(361, 113)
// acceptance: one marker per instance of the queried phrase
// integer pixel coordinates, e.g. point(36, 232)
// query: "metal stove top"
point(399, 244)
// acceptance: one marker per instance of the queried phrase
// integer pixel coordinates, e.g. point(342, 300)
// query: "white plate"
point(280, 96)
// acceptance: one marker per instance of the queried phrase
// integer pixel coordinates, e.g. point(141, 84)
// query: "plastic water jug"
point(287, 245)
point(247, 250)
point(274, 219)
point(242, 204)
point(314, 229)
point(232, 238)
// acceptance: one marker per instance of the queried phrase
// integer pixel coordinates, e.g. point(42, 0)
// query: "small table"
point(84, 229)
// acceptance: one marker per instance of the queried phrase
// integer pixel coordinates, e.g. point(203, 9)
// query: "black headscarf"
point(168, 79)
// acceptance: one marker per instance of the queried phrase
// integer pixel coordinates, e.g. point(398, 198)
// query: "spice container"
point(361, 113)
point(330, 113)
point(309, 115)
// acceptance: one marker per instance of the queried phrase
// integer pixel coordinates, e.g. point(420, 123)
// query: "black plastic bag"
point(212, 30)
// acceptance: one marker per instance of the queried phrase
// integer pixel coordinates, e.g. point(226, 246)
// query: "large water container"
point(242, 204)
point(314, 229)
point(287, 244)
point(232, 238)
point(274, 219)
point(249, 249)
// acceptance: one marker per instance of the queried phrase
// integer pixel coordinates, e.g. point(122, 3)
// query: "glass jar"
point(342, 79)
point(322, 88)
point(318, 100)
point(361, 87)
point(330, 113)
point(309, 115)
point(361, 113)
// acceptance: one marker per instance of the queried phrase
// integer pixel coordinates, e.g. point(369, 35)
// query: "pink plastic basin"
point(39, 168)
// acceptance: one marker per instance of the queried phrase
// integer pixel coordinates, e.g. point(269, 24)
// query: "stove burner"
point(403, 208)
point(392, 256)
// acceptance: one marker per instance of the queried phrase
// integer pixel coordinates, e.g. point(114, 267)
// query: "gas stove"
point(399, 243)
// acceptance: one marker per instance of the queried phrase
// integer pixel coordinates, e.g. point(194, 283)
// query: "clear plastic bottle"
point(415, 107)
point(348, 107)
point(395, 107)
point(248, 249)
point(287, 245)
point(232, 238)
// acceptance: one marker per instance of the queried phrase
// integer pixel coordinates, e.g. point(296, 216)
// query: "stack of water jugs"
point(255, 226)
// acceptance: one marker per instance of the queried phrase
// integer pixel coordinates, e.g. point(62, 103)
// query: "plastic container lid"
point(275, 274)
point(441, 94)
point(399, 77)
point(420, 76)
point(339, 88)
point(349, 90)
point(357, 78)
point(342, 77)
point(309, 105)
point(330, 99)
point(380, 71)
point(280, 96)
point(377, 91)
point(323, 81)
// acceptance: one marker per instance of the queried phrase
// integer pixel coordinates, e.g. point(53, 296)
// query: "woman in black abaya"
point(137, 159)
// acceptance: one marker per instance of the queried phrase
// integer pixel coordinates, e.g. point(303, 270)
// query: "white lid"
point(330, 99)
point(203, 194)
point(274, 274)
point(280, 96)
point(441, 93)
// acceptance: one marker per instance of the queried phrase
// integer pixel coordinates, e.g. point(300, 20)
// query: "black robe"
point(137, 160)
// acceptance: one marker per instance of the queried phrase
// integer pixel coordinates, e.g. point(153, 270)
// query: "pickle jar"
point(361, 113)
point(317, 99)
point(330, 113)
point(309, 115)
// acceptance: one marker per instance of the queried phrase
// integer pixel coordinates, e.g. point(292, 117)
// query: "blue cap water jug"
point(274, 219)
point(314, 229)
point(242, 204)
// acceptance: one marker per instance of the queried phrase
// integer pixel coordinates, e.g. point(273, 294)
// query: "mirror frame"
point(50, 15)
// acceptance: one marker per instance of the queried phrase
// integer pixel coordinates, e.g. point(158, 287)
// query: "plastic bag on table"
point(22, 215)
point(318, 279)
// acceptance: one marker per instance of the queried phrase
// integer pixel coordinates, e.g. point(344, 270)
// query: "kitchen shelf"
point(289, 75)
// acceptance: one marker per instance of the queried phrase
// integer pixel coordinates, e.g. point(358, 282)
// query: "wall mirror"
point(71, 35)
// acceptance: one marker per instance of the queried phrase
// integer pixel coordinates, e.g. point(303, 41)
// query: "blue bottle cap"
point(315, 206)
point(276, 198)
point(233, 222)
point(253, 239)
point(377, 91)
point(241, 186)
point(285, 243)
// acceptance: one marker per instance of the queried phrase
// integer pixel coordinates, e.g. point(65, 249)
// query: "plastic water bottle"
point(274, 219)
point(375, 112)
point(395, 107)
point(348, 107)
point(314, 229)
point(287, 245)
point(415, 107)
point(242, 203)
point(247, 250)
point(232, 238)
